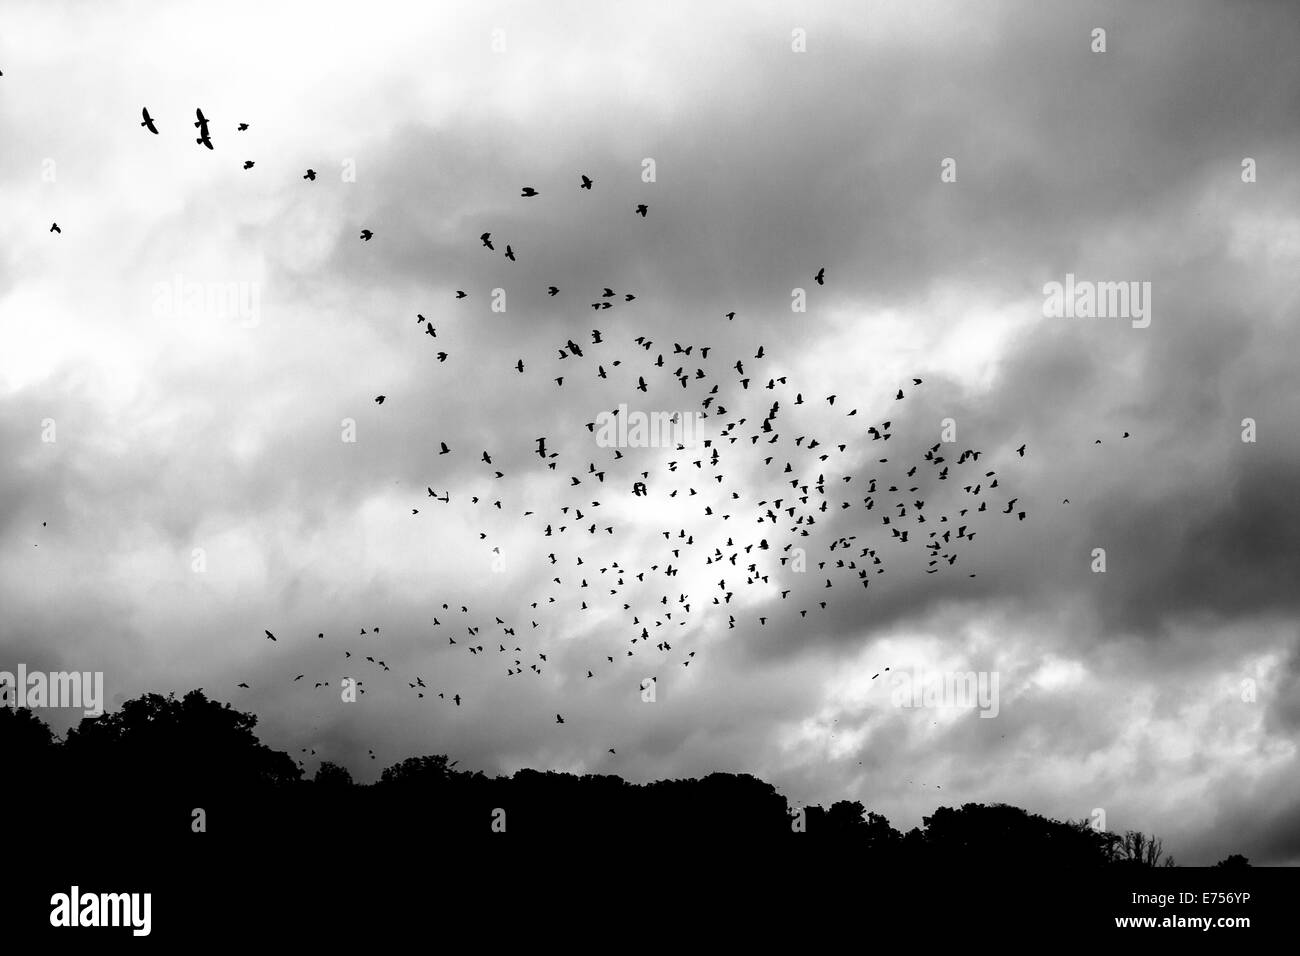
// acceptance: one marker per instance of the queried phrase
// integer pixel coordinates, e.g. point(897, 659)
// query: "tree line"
point(164, 767)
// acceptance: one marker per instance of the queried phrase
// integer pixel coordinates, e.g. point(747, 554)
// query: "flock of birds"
point(927, 504)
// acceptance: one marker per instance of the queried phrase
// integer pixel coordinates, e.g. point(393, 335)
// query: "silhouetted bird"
point(586, 183)
point(148, 121)
point(310, 174)
point(528, 192)
point(820, 277)
point(366, 235)
point(202, 126)
point(642, 209)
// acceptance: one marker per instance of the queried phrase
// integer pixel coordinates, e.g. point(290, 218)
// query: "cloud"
point(218, 424)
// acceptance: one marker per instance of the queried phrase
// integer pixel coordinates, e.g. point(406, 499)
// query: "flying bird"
point(528, 192)
point(310, 174)
point(148, 121)
point(820, 277)
point(642, 209)
point(366, 235)
point(586, 182)
point(202, 126)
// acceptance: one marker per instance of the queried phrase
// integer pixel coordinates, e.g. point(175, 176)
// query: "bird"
point(444, 449)
point(366, 235)
point(510, 253)
point(586, 182)
point(270, 636)
point(248, 164)
point(242, 127)
point(310, 175)
point(1021, 451)
point(559, 719)
point(642, 209)
point(552, 290)
point(461, 293)
point(528, 192)
point(242, 684)
point(820, 277)
point(486, 239)
point(54, 227)
point(202, 126)
point(148, 121)
point(379, 399)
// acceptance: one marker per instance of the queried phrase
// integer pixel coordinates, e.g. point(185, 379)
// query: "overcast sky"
point(183, 425)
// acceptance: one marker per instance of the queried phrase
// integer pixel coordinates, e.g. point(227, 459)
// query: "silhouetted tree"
point(330, 774)
point(1010, 836)
point(1136, 848)
point(24, 734)
point(417, 771)
point(164, 742)
point(151, 764)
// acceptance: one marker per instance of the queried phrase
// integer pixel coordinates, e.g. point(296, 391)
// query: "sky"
point(175, 479)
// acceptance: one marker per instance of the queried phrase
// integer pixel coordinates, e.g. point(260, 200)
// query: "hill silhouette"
point(143, 771)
